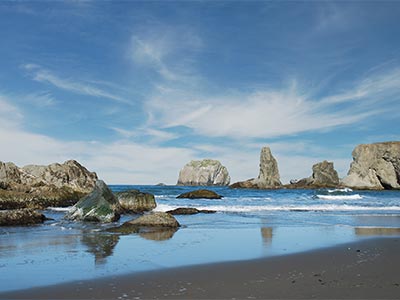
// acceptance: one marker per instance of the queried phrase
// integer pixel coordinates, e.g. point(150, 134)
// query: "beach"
point(367, 269)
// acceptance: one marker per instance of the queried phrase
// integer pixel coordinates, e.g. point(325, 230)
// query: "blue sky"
point(134, 90)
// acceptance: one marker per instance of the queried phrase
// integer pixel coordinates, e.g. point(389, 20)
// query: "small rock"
point(189, 211)
point(199, 194)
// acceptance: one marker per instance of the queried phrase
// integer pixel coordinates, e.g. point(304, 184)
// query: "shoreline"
point(363, 269)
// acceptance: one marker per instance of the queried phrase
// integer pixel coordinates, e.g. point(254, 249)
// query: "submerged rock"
point(205, 172)
point(324, 176)
point(375, 166)
point(20, 217)
point(268, 177)
point(136, 201)
point(189, 211)
point(200, 194)
point(99, 206)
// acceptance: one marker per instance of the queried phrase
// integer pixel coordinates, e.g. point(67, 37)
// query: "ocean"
point(248, 224)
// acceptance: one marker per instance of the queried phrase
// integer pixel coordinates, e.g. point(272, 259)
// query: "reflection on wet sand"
point(377, 230)
point(100, 245)
point(158, 234)
point(267, 234)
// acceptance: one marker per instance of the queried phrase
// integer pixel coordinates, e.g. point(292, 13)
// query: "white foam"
point(60, 208)
point(339, 197)
point(260, 208)
point(344, 190)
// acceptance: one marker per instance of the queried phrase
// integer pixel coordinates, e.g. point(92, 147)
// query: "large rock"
point(324, 176)
point(37, 186)
point(200, 194)
point(99, 206)
point(136, 201)
point(204, 172)
point(20, 217)
point(375, 166)
point(268, 178)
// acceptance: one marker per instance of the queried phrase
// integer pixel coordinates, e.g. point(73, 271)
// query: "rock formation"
point(41, 186)
point(324, 176)
point(20, 217)
point(205, 172)
point(268, 177)
point(199, 194)
point(136, 201)
point(375, 166)
point(99, 206)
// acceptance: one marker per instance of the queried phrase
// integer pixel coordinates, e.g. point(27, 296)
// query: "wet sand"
point(368, 269)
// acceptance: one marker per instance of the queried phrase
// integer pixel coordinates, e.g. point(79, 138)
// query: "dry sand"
point(366, 269)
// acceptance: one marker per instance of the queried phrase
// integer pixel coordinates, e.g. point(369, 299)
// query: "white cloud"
point(41, 74)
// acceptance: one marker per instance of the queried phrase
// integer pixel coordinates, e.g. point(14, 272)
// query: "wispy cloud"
point(153, 135)
point(41, 74)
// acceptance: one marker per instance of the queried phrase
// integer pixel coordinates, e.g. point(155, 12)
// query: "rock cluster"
point(324, 176)
point(204, 173)
point(375, 166)
point(268, 177)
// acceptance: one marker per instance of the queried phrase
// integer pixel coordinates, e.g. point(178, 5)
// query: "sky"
point(134, 90)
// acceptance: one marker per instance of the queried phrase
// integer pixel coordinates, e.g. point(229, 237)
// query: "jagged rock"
point(375, 166)
point(324, 176)
point(199, 194)
point(136, 201)
point(189, 211)
point(20, 217)
point(268, 177)
point(41, 186)
point(205, 173)
point(99, 206)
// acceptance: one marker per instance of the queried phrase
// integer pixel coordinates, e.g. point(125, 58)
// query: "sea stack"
point(375, 167)
point(268, 177)
point(205, 172)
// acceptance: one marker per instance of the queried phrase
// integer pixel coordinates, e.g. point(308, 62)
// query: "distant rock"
point(136, 201)
point(324, 176)
point(268, 177)
point(200, 194)
point(41, 186)
point(20, 217)
point(99, 206)
point(375, 166)
point(161, 184)
point(205, 172)
point(189, 211)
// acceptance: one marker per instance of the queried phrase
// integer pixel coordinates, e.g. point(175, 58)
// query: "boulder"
point(99, 206)
point(41, 186)
point(205, 172)
point(189, 211)
point(375, 166)
point(268, 177)
point(20, 217)
point(136, 201)
point(200, 194)
point(324, 176)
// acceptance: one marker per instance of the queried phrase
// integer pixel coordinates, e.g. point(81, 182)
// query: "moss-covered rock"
point(136, 201)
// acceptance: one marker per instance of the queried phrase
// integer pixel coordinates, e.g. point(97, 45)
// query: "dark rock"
point(199, 194)
point(136, 201)
point(189, 211)
point(20, 217)
point(99, 206)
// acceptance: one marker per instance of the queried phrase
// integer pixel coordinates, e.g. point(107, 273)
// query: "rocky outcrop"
point(189, 211)
point(205, 172)
point(136, 201)
point(268, 177)
point(41, 186)
point(99, 206)
point(20, 217)
point(200, 194)
point(324, 176)
point(375, 166)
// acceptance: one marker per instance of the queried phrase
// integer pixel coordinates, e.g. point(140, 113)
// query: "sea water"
point(247, 224)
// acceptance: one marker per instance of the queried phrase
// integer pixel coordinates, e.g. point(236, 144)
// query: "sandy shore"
point(360, 270)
